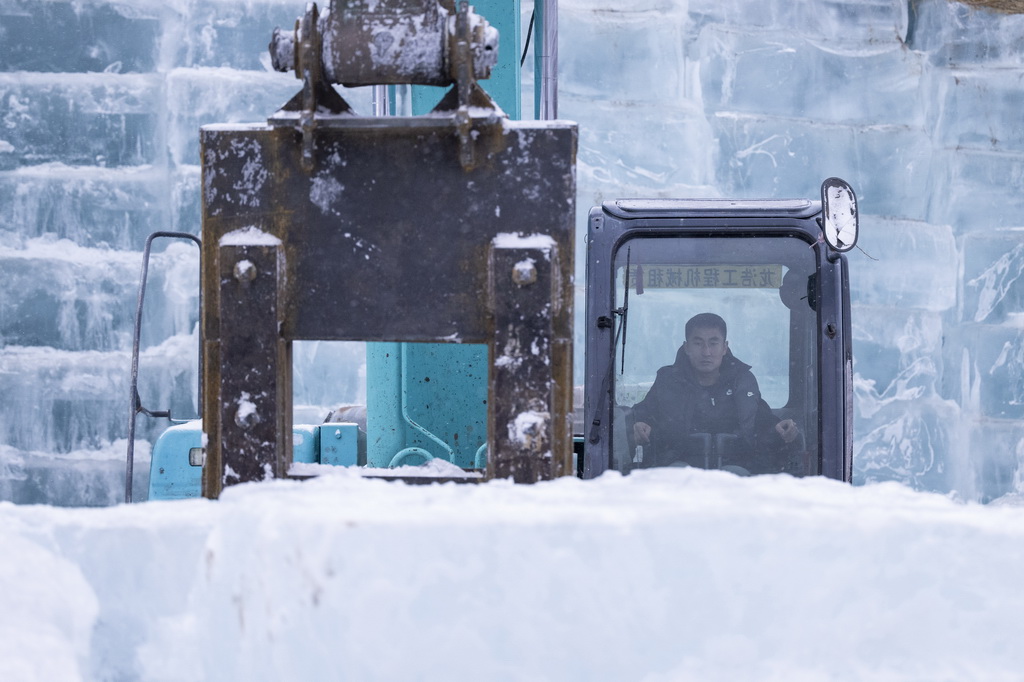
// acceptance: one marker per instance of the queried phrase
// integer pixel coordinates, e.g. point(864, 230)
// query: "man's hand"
point(642, 432)
point(787, 430)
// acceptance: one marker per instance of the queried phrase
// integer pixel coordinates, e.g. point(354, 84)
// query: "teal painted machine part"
point(171, 477)
point(428, 396)
point(338, 444)
point(385, 432)
point(440, 404)
point(414, 453)
point(406, 415)
point(305, 444)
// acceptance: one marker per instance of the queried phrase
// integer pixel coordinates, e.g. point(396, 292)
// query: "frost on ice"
point(997, 281)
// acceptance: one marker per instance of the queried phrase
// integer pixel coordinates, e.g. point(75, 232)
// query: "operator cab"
point(773, 270)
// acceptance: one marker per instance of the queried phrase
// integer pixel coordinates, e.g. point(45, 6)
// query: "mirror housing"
point(839, 217)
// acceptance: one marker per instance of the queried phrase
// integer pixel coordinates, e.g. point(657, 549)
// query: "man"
point(706, 409)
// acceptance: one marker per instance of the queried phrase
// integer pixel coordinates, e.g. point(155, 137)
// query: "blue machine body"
point(172, 476)
point(176, 470)
point(427, 396)
point(334, 444)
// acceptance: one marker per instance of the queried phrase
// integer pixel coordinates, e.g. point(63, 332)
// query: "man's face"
point(705, 347)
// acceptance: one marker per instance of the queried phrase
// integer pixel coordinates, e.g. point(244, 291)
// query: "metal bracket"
point(390, 239)
point(356, 45)
point(246, 389)
point(529, 433)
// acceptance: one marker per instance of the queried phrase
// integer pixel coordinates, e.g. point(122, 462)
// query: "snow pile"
point(663, 575)
point(48, 612)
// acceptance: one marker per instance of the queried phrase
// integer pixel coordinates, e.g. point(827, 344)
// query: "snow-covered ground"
point(662, 575)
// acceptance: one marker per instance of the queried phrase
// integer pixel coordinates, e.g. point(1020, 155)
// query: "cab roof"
point(694, 208)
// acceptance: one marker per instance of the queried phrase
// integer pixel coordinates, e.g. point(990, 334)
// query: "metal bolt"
point(524, 272)
point(245, 271)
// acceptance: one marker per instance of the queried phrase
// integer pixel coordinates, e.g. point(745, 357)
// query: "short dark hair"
point(706, 321)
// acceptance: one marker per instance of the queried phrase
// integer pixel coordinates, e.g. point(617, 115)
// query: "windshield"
point(741, 392)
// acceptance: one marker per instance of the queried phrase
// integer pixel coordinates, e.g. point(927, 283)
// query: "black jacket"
point(677, 406)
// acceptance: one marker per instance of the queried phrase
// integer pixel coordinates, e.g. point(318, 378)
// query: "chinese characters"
point(706, 276)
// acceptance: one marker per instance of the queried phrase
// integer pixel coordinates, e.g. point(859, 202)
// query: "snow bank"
point(48, 612)
point(663, 575)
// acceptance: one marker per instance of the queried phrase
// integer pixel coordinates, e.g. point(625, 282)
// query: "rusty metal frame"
point(383, 233)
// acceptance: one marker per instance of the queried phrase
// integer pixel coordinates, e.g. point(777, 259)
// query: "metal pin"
point(524, 272)
point(245, 271)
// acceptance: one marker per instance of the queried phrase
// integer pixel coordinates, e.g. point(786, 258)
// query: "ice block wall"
point(916, 103)
point(100, 109)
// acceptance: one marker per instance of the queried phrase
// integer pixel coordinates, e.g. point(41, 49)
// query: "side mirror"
point(839, 214)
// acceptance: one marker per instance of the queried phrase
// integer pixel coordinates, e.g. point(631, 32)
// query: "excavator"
point(444, 239)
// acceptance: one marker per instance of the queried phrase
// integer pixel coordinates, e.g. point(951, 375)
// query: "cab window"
point(763, 291)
